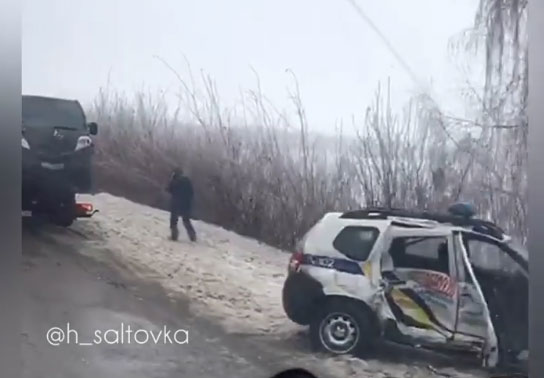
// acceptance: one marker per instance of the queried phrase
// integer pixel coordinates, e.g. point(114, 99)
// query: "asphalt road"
point(63, 287)
point(71, 281)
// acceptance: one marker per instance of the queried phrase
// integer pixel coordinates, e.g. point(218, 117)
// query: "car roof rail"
point(477, 225)
point(413, 223)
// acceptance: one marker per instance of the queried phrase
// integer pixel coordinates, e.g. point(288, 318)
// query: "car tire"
point(342, 326)
point(64, 215)
point(63, 221)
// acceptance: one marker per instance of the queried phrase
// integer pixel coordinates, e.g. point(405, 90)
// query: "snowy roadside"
point(234, 279)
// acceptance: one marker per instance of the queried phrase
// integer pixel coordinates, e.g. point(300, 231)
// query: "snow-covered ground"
point(237, 280)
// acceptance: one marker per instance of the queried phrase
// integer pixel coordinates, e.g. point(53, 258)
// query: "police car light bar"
point(462, 209)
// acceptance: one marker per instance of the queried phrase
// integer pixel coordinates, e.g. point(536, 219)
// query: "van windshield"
point(49, 112)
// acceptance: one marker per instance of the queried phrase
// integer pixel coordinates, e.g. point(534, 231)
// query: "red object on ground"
point(83, 209)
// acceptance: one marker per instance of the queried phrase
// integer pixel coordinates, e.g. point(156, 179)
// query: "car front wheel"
point(64, 214)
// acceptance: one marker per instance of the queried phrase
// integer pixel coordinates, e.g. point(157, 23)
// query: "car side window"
point(489, 257)
point(427, 253)
point(356, 242)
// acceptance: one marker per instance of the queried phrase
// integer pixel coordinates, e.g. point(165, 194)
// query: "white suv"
point(441, 281)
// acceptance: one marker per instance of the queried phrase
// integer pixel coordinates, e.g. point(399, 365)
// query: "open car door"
point(473, 325)
point(418, 270)
point(493, 297)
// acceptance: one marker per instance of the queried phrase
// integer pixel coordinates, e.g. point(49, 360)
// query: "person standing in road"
point(181, 203)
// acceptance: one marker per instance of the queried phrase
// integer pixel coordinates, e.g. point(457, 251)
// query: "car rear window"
point(356, 242)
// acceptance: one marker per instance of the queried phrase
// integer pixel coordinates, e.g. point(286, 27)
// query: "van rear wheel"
point(64, 214)
point(342, 327)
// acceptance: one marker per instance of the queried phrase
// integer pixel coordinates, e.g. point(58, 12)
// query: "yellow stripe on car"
point(367, 269)
point(411, 308)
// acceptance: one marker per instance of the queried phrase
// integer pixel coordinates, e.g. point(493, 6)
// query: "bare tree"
point(261, 172)
point(501, 30)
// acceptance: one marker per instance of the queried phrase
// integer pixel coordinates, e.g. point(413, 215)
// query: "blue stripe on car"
point(338, 264)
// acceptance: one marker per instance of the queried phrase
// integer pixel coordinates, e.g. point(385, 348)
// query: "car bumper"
point(71, 171)
point(299, 296)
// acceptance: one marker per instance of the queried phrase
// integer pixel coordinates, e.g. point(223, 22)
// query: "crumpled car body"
point(434, 284)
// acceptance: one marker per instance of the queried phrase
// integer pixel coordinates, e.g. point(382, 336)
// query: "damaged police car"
point(447, 282)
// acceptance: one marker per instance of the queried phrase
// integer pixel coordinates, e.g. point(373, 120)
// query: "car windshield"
point(47, 112)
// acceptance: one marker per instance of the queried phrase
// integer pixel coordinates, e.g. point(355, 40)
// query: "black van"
point(57, 155)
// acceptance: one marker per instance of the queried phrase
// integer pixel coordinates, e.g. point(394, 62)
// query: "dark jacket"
point(181, 189)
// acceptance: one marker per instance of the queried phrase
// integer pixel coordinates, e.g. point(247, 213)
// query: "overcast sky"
point(71, 47)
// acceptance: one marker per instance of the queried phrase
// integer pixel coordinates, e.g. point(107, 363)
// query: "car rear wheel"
point(342, 327)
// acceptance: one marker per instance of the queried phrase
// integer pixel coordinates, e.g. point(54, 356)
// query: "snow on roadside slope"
point(235, 279)
point(232, 277)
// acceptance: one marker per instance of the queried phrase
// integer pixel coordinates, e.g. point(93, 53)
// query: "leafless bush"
point(259, 173)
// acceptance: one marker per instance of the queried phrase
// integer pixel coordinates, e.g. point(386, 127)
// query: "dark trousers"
point(175, 214)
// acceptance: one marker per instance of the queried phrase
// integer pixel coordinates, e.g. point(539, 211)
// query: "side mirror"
point(93, 128)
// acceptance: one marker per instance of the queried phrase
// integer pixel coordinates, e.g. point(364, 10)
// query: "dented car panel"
point(422, 300)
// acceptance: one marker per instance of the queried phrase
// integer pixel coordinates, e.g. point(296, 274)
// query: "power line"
point(410, 72)
point(426, 89)
point(385, 40)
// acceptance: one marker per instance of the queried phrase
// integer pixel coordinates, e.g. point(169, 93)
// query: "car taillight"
point(296, 261)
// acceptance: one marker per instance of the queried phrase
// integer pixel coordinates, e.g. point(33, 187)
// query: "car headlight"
point(24, 143)
point(83, 142)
